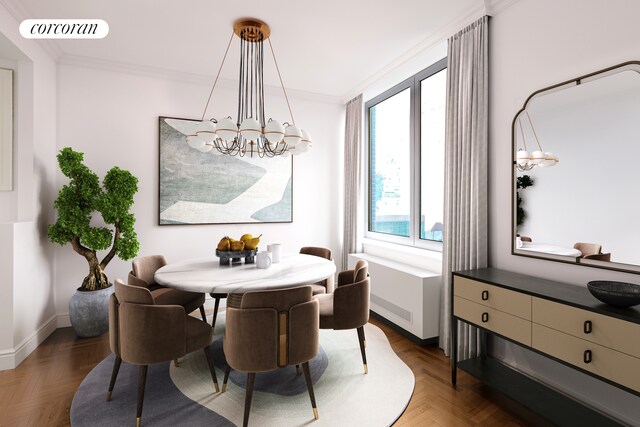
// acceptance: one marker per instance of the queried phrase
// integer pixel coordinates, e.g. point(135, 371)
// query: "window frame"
point(412, 83)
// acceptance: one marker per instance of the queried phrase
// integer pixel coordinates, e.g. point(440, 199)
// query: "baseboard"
point(12, 358)
point(403, 331)
point(63, 321)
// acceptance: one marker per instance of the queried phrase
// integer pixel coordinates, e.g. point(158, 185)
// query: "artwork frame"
point(197, 188)
point(6, 129)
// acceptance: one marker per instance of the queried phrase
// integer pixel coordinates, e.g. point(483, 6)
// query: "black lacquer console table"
point(560, 321)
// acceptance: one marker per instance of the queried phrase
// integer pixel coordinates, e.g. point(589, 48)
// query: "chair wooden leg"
point(212, 369)
point(203, 314)
point(114, 375)
point(226, 378)
point(142, 379)
point(251, 376)
point(362, 345)
point(215, 313)
point(307, 377)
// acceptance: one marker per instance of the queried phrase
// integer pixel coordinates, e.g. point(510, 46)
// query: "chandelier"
point(250, 134)
point(526, 161)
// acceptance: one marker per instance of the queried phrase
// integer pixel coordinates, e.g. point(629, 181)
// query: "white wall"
point(534, 44)
point(26, 283)
point(113, 118)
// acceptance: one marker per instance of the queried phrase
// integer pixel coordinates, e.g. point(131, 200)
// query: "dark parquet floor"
point(39, 391)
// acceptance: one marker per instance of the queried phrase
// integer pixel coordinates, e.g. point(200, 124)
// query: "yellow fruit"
point(246, 237)
point(252, 244)
point(237, 245)
point(224, 244)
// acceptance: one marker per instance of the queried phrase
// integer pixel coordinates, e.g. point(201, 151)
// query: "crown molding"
point(487, 7)
point(434, 38)
point(494, 7)
point(17, 10)
point(185, 77)
point(20, 12)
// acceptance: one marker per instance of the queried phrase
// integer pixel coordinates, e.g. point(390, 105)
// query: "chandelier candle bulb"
point(523, 156)
point(273, 131)
point(206, 131)
point(537, 157)
point(195, 142)
point(250, 129)
point(292, 135)
point(549, 160)
point(306, 139)
point(227, 129)
point(206, 148)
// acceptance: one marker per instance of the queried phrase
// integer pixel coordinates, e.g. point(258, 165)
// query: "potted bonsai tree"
point(76, 203)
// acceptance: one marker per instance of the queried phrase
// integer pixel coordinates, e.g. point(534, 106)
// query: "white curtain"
point(353, 159)
point(465, 210)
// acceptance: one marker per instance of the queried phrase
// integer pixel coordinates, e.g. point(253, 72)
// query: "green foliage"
point(522, 182)
point(76, 203)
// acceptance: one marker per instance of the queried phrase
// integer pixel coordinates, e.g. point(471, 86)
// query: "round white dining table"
point(207, 275)
point(549, 249)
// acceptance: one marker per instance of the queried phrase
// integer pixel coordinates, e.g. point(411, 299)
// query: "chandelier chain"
point(217, 75)
point(524, 141)
point(293, 121)
point(534, 130)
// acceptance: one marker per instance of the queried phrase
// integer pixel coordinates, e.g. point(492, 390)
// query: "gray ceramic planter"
point(89, 312)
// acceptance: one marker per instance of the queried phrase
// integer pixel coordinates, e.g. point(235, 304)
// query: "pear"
point(225, 244)
point(252, 243)
point(246, 237)
point(237, 245)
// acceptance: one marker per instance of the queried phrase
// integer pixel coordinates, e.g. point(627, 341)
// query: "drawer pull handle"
point(485, 317)
point(587, 356)
point(588, 327)
point(485, 295)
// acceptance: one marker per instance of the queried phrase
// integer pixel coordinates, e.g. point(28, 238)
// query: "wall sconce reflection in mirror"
point(525, 160)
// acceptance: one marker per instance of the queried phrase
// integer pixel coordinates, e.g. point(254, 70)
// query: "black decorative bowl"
point(228, 257)
point(618, 294)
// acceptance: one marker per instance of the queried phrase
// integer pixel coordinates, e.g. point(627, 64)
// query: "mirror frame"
point(627, 268)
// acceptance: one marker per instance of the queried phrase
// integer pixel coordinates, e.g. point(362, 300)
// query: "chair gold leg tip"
point(108, 396)
point(218, 388)
point(138, 421)
point(315, 413)
point(224, 388)
point(366, 369)
point(364, 343)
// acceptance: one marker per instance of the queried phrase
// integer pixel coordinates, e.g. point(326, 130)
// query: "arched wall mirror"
point(576, 166)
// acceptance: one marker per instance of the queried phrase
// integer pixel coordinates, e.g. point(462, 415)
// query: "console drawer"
point(605, 362)
point(511, 302)
point(604, 330)
point(497, 321)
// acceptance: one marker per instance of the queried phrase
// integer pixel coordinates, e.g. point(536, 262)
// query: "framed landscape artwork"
point(212, 188)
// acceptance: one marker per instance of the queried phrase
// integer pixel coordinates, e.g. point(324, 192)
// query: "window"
point(406, 128)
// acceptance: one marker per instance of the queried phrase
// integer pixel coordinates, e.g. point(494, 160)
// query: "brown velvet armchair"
point(324, 286)
point(599, 257)
point(271, 329)
point(142, 274)
point(588, 248)
point(348, 306)
point(143, 333)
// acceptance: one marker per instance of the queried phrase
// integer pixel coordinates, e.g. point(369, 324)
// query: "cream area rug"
point(345, 396)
